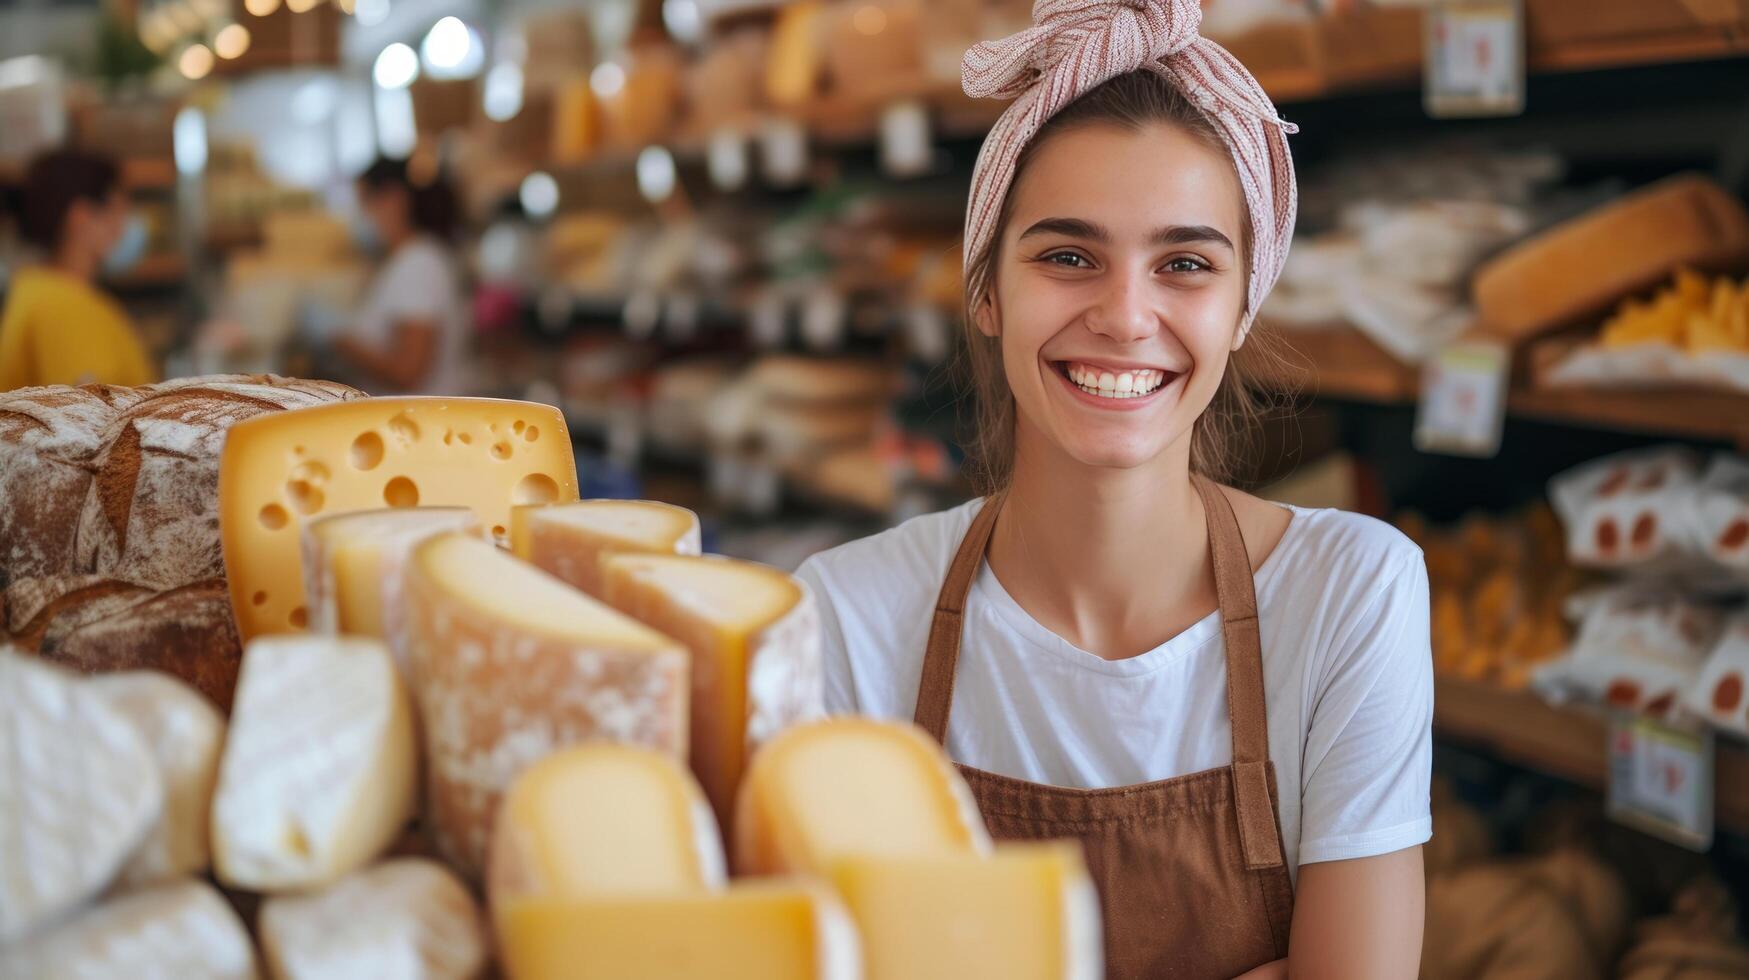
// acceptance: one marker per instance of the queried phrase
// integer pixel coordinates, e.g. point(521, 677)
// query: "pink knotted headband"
point(1075, 45)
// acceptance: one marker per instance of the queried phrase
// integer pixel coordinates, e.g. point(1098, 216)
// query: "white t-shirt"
point(419, 282)
point(1347, 667)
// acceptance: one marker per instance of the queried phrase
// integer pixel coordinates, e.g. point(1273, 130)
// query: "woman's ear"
point(985, 318)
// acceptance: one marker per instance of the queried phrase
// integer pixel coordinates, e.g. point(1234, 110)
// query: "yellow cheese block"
point(603, 820)
point(754, 636)
point(754, 931)
point(354, 563)
point(570, 540)
point(847, 787)
point(280, 471)
point(1024, 912)
point(513, 664)
point(318, 772)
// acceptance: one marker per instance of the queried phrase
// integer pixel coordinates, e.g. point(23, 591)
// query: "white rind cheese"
point(180, 931)
point(318, 775)
point(404, 919)
point(79, 790)
point(185, 734)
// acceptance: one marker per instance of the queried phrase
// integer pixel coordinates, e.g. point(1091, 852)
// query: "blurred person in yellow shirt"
point(57, 326)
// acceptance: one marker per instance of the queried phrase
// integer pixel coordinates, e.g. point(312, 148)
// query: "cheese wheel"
point(570, 541)
point(603, 819)
point(403, 919)
point(754, 637)
point(79, 790)
point(318, 775)
point(513, 665)
point(185, 733)
point(850, 787)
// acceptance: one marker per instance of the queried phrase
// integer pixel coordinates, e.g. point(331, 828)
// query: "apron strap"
point(1247, 710)
point(942, 655)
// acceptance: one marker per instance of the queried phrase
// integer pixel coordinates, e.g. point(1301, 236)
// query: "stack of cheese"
point(122, 789)
point(607, 863)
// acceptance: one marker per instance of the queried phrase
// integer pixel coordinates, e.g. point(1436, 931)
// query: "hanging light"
point(396, 67)
point(656, 174)
point(608, 79)
point(300, 6)
point(232, 41)
point(539, 194)
point(502, 97)
point(195, 62)
point(261, 8)
point(452, 50)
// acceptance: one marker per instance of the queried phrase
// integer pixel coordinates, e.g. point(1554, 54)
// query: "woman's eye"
point(1068, 260)
point(1185, 265)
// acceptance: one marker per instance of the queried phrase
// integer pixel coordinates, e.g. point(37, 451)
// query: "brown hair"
point(54, 182)
point(1223, 433)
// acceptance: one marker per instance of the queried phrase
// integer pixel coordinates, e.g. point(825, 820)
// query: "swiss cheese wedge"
point(771, 930)
point(570, 540)
point(513, 664)
point(354, 564)
point(280, 471)
point(848, 787)
point(1023, 912)
point(604, 819)
point(318, 774)
point(754, 636)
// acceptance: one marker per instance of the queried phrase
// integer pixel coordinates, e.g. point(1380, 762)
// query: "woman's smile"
point(1115, 387)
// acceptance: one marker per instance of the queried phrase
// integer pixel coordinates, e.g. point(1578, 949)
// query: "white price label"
point(1475, 58)
point(783, 146)
point(905, 145)
point(726, 158)
point(1661, 779)
point(1463, 399)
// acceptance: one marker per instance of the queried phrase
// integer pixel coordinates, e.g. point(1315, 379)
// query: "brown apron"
point(1189, 869)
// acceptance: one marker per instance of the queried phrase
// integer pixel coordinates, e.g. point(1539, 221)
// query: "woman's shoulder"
point(919, 546)
point(1337, 547)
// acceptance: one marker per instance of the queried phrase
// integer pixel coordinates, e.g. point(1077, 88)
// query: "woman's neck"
point(1113, 560)
point(76, 262)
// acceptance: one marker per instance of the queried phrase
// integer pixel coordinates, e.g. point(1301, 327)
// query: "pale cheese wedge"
point(185, 734)
point(318, 774)
point(602, 820)
point(354, 565)
point(849, 787)
point(771, 930)
point(513, 665)
point(79, 790)
point(754, 636)
point(1022, 912)
point(570, 540)
point(403, 919)
point(184, 930)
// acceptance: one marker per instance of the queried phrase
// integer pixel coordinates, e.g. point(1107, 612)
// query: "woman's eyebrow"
point(1087, 230)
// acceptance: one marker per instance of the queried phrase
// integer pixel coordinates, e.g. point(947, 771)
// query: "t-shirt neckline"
point(986, 587)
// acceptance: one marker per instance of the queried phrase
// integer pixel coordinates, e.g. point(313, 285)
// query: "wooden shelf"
point(1690, 413)
point(1568, 742)
point(1337, 361)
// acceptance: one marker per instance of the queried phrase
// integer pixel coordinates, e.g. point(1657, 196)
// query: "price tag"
point(1661, 779)
point(1474, 58)
point(1463, 399)
point(783, 146)
point(726, 157)
point(905, 146)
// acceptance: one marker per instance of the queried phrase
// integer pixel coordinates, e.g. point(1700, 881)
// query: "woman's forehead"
point(1131, 181)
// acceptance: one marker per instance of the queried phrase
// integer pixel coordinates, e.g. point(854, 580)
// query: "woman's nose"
point(1125, 309)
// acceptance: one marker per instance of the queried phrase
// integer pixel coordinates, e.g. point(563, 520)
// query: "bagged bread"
point(1495, 921)
point(1637, 649)
point(1696, 941)
point(1719, 517)
point(1624, 511)
point(1717, 693)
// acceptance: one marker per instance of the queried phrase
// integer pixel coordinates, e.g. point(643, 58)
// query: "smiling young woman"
point(1228, 701)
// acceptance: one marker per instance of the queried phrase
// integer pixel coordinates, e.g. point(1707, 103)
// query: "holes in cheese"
point(354, 568)
point(182, 930)
point(279, 471)
point(570, 540)
point(601, 820)
point(847, 787)
point(754, 637)
point(407, 917)
point(184, 733)
point(317, 776)
point(513, 664)
point(753, 931)
point(1023, 912)
point(78, 791)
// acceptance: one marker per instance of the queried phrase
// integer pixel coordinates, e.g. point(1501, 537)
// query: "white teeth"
point(1121, 384)
point(1107, 382)
point(1126, 383)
